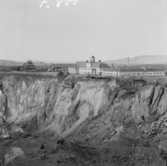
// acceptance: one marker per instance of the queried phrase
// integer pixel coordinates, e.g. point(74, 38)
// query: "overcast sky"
point(107, 29)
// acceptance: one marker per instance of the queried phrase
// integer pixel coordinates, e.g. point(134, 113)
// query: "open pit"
point(80, 121)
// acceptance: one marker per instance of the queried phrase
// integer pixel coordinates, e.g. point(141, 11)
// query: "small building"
point(73, 69)
point(112, 71)
point(58, 67)
point(29, 65)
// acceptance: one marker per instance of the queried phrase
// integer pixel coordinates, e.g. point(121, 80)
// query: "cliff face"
point(98, 113)
point(70, 106)
point(149, 112)
point(52, 105)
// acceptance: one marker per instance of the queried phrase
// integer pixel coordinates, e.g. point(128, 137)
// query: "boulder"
point(12, 154)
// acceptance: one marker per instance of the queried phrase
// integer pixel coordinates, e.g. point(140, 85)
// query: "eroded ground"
point(128, 150)
point(50, 122)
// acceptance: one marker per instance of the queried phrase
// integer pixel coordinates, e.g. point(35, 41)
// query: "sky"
point(107, 29)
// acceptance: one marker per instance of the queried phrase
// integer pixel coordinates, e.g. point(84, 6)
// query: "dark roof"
point(81, 64)
point(110, 69)
point(132, 69)
point(60, 65)
point(99, 65)
point(73, 66)
point(94, 65)
point(29, 64)
point(155, 69)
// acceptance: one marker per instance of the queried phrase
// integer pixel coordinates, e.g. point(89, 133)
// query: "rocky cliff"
point(53, 105)
point(93, 113)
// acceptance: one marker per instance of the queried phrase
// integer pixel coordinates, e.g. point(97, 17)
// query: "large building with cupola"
point(91, 66)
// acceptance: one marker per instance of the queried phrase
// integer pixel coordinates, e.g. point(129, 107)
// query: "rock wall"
point(52, 105)
point(149, 112)
point(82, 107)
point(107, 115)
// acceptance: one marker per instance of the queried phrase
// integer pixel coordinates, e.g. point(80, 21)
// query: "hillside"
point(14, 63)
point(9, 63)
point(145, 59)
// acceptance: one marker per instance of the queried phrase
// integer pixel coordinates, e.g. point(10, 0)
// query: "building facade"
point(134, 72)
point(74, 69)
point(112, 71)
point(91, 67)
point(155, 72)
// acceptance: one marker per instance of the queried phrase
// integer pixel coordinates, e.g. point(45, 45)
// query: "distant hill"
point(9, 63)
point(14, 63)
point(145, 59)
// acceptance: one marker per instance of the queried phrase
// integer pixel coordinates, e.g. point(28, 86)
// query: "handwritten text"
point(67, 2)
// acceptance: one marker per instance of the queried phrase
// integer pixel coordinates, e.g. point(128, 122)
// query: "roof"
point(155, 69)
point(99, 65)
point(132, 69)
point(81, 64)
point(73, 66)
point(60, 65)
point(94, 65)
point(29, 64)
point(110, 69)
